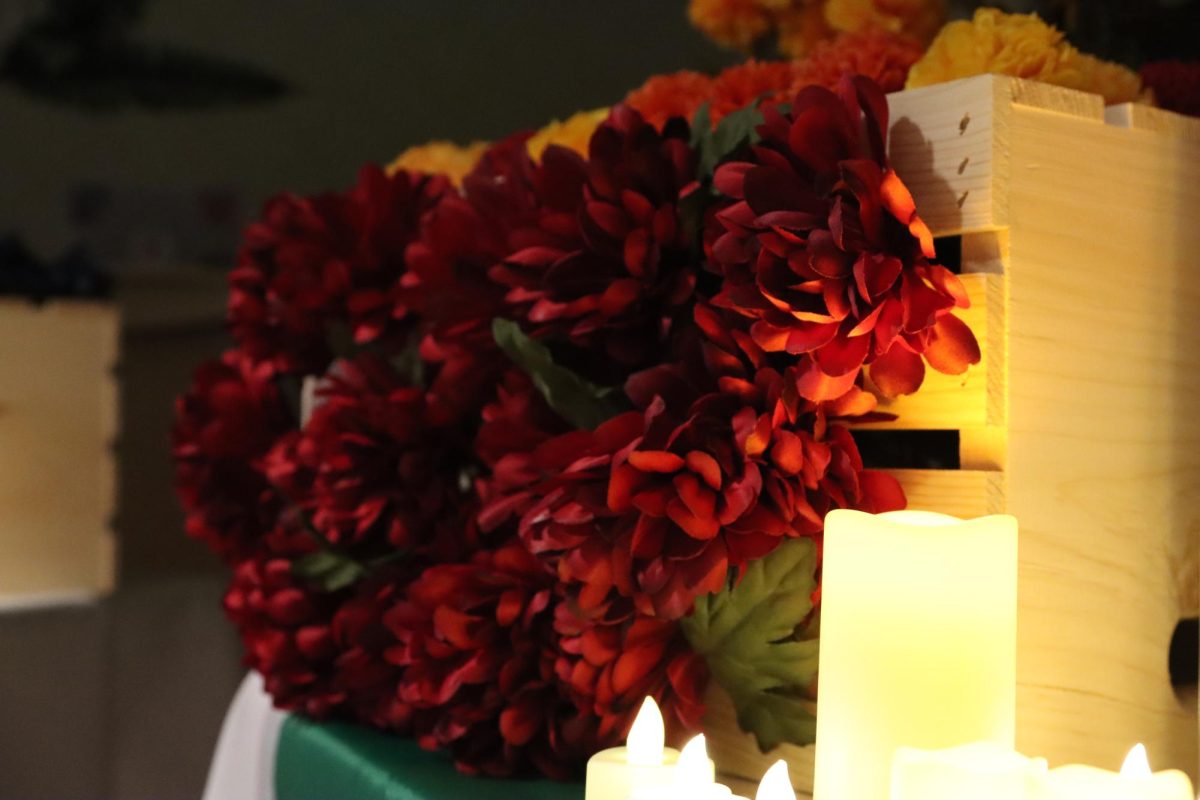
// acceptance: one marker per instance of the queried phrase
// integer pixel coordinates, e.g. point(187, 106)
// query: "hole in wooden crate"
point(1183, 659)
point(885, 449)
point(949, 252)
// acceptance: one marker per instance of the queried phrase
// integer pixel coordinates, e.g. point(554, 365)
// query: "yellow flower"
point(919, 19)
point(1023, 46)
point(574, 132)
point(801, 28)
point(440, 158)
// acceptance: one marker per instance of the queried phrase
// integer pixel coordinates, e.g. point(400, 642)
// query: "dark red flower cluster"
point(822, 252)
point(376, 467)
point(321, 653)
point(313, 262)
point(604, 264)
point(224, 426)
point(446, 539)
point(478, 649)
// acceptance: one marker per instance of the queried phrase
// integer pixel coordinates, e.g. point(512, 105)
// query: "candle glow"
point(647, 736)
point(776, 784)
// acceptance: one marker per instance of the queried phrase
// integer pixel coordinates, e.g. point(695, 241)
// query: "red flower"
point(877, 54)
point(223, 427)
point(664, 97)
point(823, 254)
point(319, 653)
point(377, 466)
point(656, 507)
point(319, 260)
point(606, 266)
point(478, 649)
point(1176, 85)
point(610, 662)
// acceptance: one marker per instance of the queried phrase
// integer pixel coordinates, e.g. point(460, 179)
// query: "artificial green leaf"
point(576, 400)
point(732, 133)
point(701, 125)
point(329, 570)
point(748, 634)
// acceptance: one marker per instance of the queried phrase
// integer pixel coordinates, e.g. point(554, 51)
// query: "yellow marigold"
point(440, 158)
point(919, 19)
point(734, 23)
point(1023, 46)
point(573, 132)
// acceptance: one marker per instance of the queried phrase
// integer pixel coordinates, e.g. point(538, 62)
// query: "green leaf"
point(748, 635)
point(329, 570)
point(576, 400)
point(733, 132)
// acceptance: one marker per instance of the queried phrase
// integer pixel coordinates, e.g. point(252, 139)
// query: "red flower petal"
point(951, 347)
point(655, 461)
point(898, 371)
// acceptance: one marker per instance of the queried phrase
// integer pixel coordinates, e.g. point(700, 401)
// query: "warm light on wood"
point(918, 642)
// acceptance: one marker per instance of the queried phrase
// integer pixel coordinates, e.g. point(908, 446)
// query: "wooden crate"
point(58, 412)
point(1080, 234)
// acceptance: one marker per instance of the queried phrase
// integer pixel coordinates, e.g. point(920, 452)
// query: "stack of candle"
point(646, 769)
point(918, 650)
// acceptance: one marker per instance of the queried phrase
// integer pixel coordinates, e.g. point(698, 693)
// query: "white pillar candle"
point(979, 771)
point(643, 764)
point(918, 642)
point(1135, 781)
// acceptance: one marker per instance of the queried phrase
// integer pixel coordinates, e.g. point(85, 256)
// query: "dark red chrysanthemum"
point(611, 660)
point(657, 506)
point(223, 427)
point(478, 648)
point(333, 259)
point(319, 653)
point(377, 466)
point(823, 254)
point(606, 265)
point(1176, 85)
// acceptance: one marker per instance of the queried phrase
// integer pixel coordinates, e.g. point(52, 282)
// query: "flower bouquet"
point(517, 434)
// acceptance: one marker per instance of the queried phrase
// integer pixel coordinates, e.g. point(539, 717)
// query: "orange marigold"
point(676, 95)
point(1024, 46)
point(917, 18)
point(440, 158)
point(740, 85)
point(733, 23)
point(574, 132)
point(883, 57)
point(801, 27)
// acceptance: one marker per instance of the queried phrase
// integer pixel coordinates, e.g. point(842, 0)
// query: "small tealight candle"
point(980, 771)
point(695, 771)
point(642, 765)
point(1135, 781)
point(776, 784)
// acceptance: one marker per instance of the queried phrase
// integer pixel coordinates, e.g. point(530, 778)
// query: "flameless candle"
point(644, 762)
point(1134, 782)
point(776, 784)
point(918, 642)
point(979, 771)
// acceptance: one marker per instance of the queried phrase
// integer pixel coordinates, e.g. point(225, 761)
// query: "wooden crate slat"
point(1103, 430)
point(57, 423)
point(975, 398)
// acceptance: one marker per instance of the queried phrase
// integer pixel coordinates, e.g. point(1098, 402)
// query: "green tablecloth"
point(329, 761)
